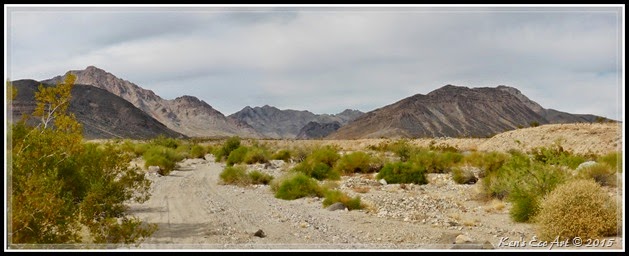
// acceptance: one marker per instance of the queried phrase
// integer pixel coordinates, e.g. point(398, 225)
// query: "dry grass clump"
point(578, 208)
point(361, 189)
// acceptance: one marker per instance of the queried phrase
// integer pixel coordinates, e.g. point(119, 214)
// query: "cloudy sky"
point(326, 59)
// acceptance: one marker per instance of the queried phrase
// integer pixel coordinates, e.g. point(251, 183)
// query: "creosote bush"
point(230, 145)
point(578, 208)
point(435, 161)
point(319, 164)
point(602, 173)
point(614, 160)
point(333, 196)
point(282, 154)
point(463, 176)
point(357, 162)
point(556, 155)
point(403, 172)
point(297, 186)
point(237, 175)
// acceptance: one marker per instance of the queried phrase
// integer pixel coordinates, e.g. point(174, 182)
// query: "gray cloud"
point(329, 59)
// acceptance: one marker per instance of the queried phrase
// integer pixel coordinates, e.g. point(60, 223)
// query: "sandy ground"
point(194, 211)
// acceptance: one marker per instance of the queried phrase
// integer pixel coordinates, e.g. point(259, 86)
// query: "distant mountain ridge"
point(102, 114)
point(272, 122)
point(186, 114)
point(455, 111)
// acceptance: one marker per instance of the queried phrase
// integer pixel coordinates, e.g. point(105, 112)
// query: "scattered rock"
point(260, 233)
point(462, 239)
point(585, 165)
point(383, 182)
point(448, 237)
point(336, 206)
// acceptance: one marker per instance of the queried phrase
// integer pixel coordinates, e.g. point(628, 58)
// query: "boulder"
point(336, 206)
point(383, 182)
point(462, 239)
point(585, 165)
point(259, 233)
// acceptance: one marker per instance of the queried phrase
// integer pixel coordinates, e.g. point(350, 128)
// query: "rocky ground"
point(194, 211)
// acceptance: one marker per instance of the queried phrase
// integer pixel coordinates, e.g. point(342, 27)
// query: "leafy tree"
point(59, 185)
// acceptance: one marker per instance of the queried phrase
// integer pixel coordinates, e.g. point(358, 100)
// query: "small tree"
point(58, 184)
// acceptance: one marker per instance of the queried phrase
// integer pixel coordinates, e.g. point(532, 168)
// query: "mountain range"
point(128, 110)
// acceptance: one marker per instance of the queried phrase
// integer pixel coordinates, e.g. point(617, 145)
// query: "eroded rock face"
point(455, 111)
point(187, 114)
point(102, 114)
point(272, 122)
point(314, 130)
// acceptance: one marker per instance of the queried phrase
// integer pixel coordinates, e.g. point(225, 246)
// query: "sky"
point(326, 59)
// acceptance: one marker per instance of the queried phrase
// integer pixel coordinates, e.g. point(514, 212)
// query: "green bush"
point(256, 155)
point(197, 151)
point(613, 159)
point(334, 196)
point(234, 175)
point(282, 155)
point(401, 148)
point(402, 172)
point(486, 162)
point(355, 162)
point(319, 164)
point(257, 177)
point(523, 182)
point(463, 176)
point(556, 155)
point(163, 141)
point(165, 158)
point(436, 162)
point(603, 174)
point(237, 155)
point(578, 208)
point(298, 186)
point(230, 145)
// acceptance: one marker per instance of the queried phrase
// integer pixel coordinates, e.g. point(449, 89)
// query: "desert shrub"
point(257, 177)
point(300, 154)
point(534, 124)
point(463, 176)
point(355, 162)
point(282, 155)
point(164, 141)
point(234, 175)
point(256, 155)
point(614, 160)
point(230, 145)
point(486, 162)
point(603, 174)
point(298, 186)
point(140, 148)
point(183, 150)
point(436, 162)
point(165, 158)
point(237, 155)
point(319, 164)
point(556, 155)
point(334, 196)
point(578, 208)
point(402, 172)
point(197, 151)
point(523, 182)
point(401, 148)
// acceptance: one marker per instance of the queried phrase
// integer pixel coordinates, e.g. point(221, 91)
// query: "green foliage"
point(334, 196)
point(237, 155)
point(230, 145)
point(356, 162)
point(234, 175)
point(164, 157)
point(319, 164)
point(403, 172)
point(401, 148)
point(297, 186)
point(578, 208)
point(487, 162)
point(534, 123)
point(556, 155)
point(523, 182)
point(463, 176)
point(613, 159)
point(59, 184)
point(256, 155)
point(257, 177)
point(197, 151)
point(282, 155)
point(602, 173)
point(164, 141)
point(436, 162)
